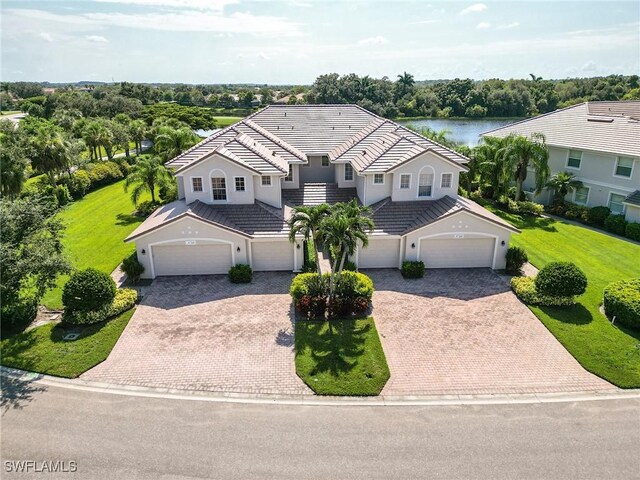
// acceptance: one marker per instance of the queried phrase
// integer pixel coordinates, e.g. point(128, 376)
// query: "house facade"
point(599, 142)
point(238, 187)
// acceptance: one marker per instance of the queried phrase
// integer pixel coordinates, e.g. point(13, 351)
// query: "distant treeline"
point(390, 98)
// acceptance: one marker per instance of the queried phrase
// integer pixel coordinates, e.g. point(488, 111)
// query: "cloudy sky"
point(293, 41)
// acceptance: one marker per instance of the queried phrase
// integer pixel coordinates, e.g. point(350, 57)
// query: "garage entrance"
point(272, 256)
point(380, 253)
point(457, 252)
point(185, 259)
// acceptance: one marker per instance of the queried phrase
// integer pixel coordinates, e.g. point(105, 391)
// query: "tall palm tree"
point(91, 135)
point(519, 152)
point(306, 221)
point(172, 142)
point(146, 175)
point(406, 79)
point(562, 184)
point(51, 153)
point(138, 131)
point(343, 231)
point(13, 170)
point(491, 166)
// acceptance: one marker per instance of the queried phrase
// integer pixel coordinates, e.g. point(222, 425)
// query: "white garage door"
point(272, 256)
point(191, 259)
point(380, 254)
point(457, 252)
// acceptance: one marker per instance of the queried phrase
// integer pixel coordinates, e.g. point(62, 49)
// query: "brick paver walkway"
point(204, 333)
point(464, 332)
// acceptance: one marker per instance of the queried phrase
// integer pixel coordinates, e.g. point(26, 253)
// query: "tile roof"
point(251, 220)
point(343, 132)
point(633, 198)
point(611, 127)
point(400, 218)
point(318, 193)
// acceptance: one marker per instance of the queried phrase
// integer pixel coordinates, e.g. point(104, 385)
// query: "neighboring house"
point(599, 142)
point(237, 189)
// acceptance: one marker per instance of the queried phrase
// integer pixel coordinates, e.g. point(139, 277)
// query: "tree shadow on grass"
point(577, 314)
point(334, 345)
point(125, 219)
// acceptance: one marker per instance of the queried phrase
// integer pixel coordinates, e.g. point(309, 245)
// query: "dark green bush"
point(132, 267)
point(62, 195)
point(412, 269)
point(525, 290)
point(310, 292)
point(240, 273)
point(622, 300)
point(633, 231)
point(104, 173)
point(597, 215)
point(561, 279)
point(16, 317)
point(516, 258)
point(78, 184)
point(88, 290)
point(576, 212)
point(350, 266)
point(615, 224)
point(144, 209)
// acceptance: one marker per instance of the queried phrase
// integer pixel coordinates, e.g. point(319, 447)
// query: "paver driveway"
point(464, 332)
point(204, 333)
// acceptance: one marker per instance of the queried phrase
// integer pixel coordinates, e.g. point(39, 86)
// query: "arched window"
point(425, 182)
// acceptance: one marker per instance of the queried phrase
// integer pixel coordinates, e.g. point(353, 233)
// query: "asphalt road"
point(125, 437)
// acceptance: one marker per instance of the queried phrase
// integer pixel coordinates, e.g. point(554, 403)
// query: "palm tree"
point(343, 230)
point(306, 221)
point(13, 170)
point(147, 174)
point(404, 85)
point(91, 135)
point(51, 152)
point(138, 131)
point(491, 166)
point(562, 184)
point(519, 152)
point(172, 142)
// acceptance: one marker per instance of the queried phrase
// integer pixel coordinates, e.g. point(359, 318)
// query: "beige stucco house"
point(599, 142)
point(237, 188)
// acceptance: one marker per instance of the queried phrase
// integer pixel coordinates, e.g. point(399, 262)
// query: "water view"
point(463, 130)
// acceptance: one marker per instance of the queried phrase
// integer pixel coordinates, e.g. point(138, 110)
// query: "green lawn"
point(608, 351)
point(96, 227)
point(42, 349)
point(341, 357)
point(222, 122)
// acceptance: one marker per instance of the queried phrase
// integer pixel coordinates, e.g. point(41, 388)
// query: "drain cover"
point(70, 336)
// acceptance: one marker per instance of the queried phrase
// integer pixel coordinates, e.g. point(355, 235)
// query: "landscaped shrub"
point(62, 195)
point(312, 306)
point(240, 273)
point(622, 300)
point(86, 317)
point(132, 267)
point(78, 184)
point(350, 266)
point(530, 208)
point(633, 231)
point(557, 209)
point(362, 285)
point(144, 209)
point(18, 315)
point(309, 267)
point(576, 212)
point(412, 269)
point(562, 279)
point(597, 215)
point(516, 258)
point(88, 290)
point(124, 300)
point(615, 224)
point(525, 290)
point(104, 173)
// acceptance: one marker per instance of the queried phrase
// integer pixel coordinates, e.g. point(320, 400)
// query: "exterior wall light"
point(413, 245)
point(143, 251)
point(502, 243)
point(298, 246)
point(238, 249)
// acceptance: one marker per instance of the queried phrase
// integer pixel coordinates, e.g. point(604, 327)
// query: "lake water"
point(464, 131)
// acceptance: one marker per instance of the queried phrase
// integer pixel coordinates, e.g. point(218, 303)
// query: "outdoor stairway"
point(317, 193)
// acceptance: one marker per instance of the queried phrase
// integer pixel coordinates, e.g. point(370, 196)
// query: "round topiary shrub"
point(516, 258)
point(240, 273)
point(561, 279)
point(88, 290)
point(622, 301)
point(633, 231)
point(412, 269)
point(597, 215)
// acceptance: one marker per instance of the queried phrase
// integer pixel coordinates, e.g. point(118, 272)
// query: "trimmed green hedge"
point(412, 269)
point(240, 273)
point(525, 290)
point(633, 231)
point(622, 300)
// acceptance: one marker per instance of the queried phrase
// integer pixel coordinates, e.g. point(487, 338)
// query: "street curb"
point(313, 400)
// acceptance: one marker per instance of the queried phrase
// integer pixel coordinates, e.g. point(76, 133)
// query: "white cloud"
point(475, 8)
point(264, 56)
point(46, 36)
point(96, 39)
point(300, 4)
point(590, 67)
point(378, 40)
point(215, 5)
point(508, 26)
point(178, 21)
point(483, 25)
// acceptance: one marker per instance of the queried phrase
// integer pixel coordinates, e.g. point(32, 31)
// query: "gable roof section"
point(609, 127)
point(250, 220)
point(633, 199)
point(401, 218)
point(343, 132)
